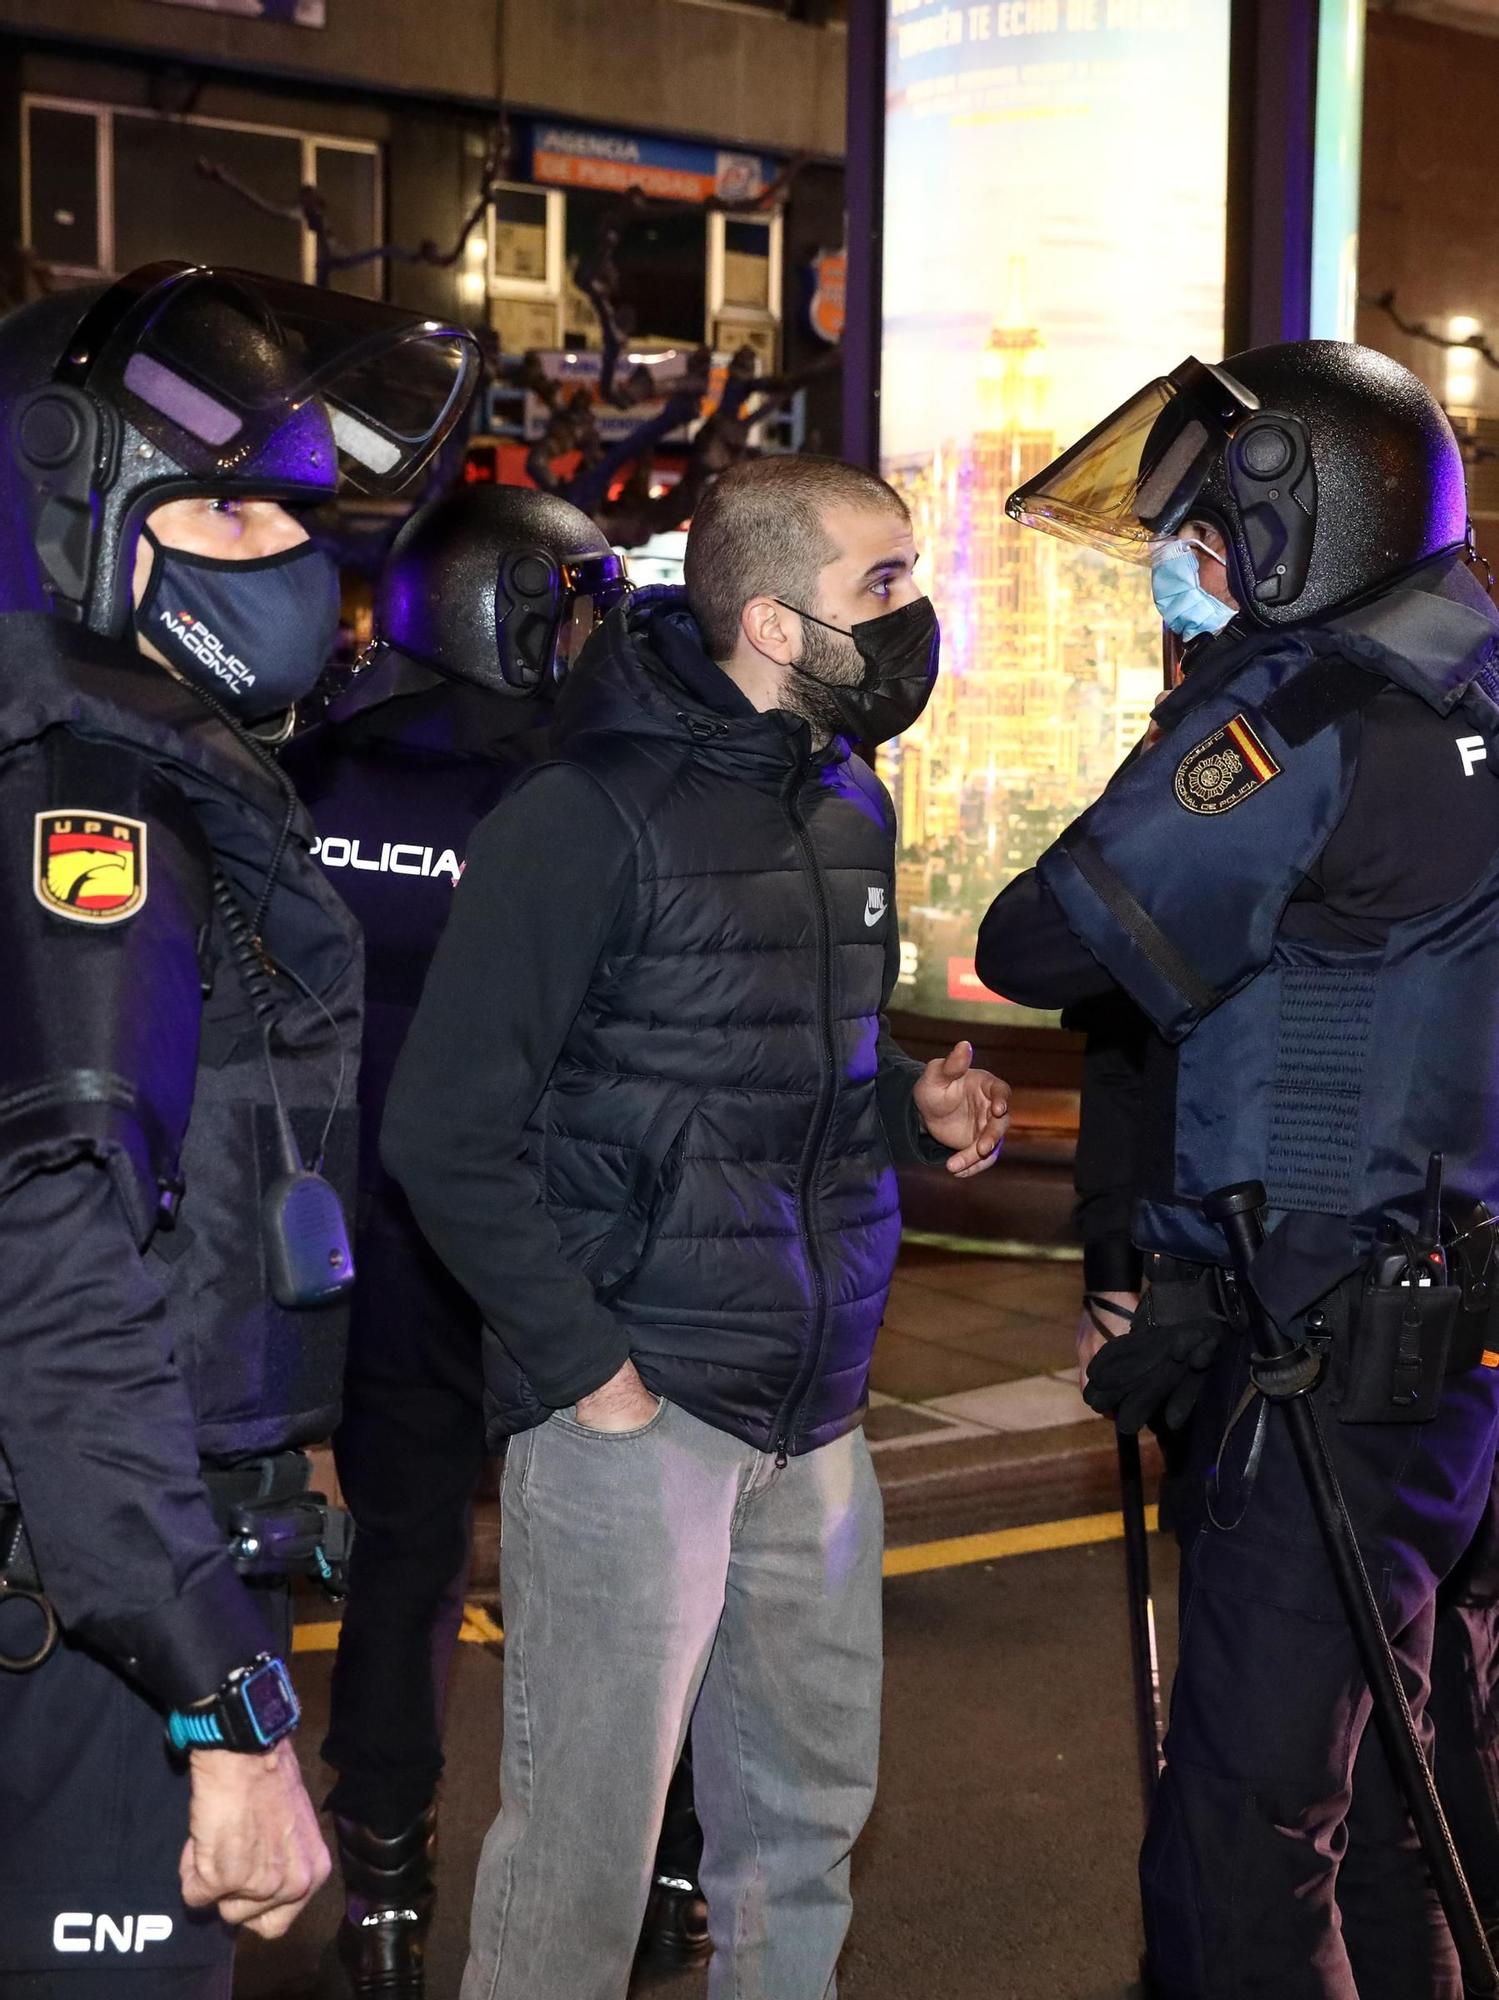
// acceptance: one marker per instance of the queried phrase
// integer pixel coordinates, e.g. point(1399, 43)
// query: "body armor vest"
point(137, 1043)
point(1328, 1071)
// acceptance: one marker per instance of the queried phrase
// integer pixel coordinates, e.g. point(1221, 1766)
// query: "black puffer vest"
point(163, 1076)
point(709, 1143)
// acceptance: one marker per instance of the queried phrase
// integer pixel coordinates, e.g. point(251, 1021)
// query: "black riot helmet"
point(181, 380)
point(497, 586)
point(1329, 470)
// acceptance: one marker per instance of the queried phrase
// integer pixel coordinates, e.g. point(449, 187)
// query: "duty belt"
point(274, 1527)
point(1475, 1333)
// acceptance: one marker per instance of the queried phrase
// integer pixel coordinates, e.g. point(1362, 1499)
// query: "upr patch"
point(89, 867)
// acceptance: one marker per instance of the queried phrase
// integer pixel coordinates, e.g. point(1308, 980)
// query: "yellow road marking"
point(480, 1629)
point(320, 1635)
point(993, 1547)
point(974, 1246)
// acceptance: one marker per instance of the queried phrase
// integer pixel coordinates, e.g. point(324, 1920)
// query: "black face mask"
point(255, 635)
point(899, 652)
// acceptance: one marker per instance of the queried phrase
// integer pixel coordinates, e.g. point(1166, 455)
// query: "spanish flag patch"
point(90, 866)
point(1224, 769)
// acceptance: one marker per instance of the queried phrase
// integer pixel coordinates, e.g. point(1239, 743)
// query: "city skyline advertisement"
point(1055, 195)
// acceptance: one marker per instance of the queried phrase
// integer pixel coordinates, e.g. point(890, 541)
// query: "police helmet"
point(1329, 469)
point(181, 380)
point(497, 586)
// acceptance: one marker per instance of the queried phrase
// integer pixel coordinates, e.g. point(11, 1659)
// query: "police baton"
point(1284, 1373)
point(1145, 1665)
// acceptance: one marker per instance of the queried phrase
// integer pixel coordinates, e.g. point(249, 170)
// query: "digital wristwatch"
point(254, 1709)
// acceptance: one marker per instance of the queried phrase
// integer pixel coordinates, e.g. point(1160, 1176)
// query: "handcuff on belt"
point(19, 1582)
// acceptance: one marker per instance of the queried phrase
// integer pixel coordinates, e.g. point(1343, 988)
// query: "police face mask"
point(254, 635)
point(899, 652)
point(1176, 585)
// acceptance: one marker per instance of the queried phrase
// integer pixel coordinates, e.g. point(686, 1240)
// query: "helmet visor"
point(235, 376)
point(1134, 477)
point(595, 584)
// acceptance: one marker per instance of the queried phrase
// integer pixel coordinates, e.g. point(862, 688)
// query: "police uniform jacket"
point(395, 791)
point(137, 1134)
point(648, 1108)
point(1297, 881)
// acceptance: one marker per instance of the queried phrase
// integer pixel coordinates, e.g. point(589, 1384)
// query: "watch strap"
point(195, 1729)
point(229, 1721)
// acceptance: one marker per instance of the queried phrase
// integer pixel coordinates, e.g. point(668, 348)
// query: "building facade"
point(140, 129)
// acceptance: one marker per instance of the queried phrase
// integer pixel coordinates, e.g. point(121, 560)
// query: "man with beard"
point(664, 1169)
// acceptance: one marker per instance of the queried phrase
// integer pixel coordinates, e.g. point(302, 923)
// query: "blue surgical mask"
point(254, 635)
point(1176, 585)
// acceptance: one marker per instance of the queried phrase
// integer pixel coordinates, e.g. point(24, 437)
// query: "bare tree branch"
point(597, 273)
point(1416, 329)
point(719, 441)
point(211, 170)
point(312, 210)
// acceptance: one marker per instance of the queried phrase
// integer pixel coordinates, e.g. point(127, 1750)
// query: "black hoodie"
point(648, 1107)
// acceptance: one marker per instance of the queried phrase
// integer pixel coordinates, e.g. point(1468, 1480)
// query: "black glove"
point(1157, 1367)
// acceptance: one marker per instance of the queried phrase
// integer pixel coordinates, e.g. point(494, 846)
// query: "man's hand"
point(623, 1404)
point(963, 1108)
point(1115, 1322)
point(253, 1846)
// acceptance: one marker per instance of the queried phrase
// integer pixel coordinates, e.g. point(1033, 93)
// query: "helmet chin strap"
point(1172, 649)
point(1476, 560)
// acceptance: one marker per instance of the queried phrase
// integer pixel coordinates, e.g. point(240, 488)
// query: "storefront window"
point(520, 235)
point(663, 269)
point(1024, 297)
point(106, 189)
point(164, 207)
point(63, 191)
point(348, 179)
point(746, 264)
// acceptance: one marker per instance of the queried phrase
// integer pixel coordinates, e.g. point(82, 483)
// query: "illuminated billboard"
point(1055, 192)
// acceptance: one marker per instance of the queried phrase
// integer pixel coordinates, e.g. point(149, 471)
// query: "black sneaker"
point(675, 1931)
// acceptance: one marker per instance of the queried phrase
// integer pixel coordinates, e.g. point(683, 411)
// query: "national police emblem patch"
point(1224, 769)
point(90, 866)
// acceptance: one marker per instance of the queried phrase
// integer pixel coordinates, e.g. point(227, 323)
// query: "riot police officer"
point(1322, 978)
point(485, 600)
point(176, 1081)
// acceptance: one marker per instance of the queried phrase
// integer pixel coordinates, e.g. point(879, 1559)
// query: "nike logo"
point(874, 907)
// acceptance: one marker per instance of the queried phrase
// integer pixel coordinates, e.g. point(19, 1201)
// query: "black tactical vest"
point(136, 1042)
point(1328, 1071)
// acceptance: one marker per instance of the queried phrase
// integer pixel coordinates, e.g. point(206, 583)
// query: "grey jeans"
point(652, 1577)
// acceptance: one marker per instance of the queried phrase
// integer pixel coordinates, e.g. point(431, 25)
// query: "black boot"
point(675, 1931)
point(389, 1891)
